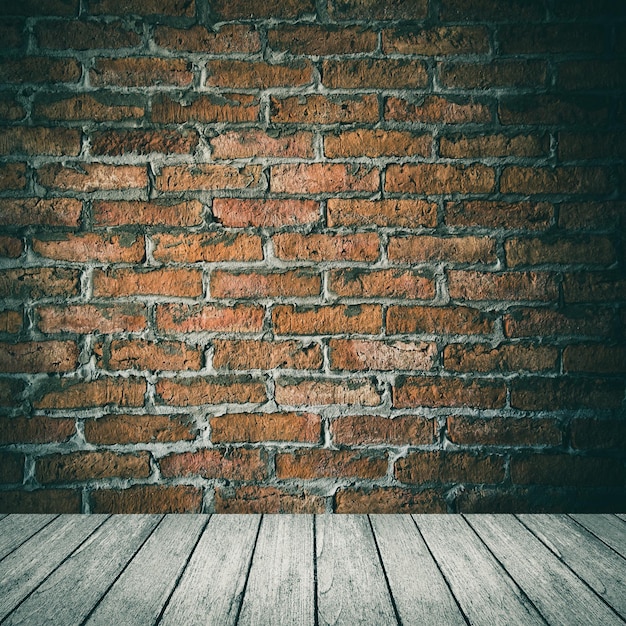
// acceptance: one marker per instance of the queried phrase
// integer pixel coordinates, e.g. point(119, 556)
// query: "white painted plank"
point(136, 598)
point(417, 586)
point(16, 529)
point(211, 588)
point(602, 569)
point(281, 589)
point(559, 594)
point(67, 596)
point(25, 568)
point(608, 528)
point(351, 584)
point(484, 590)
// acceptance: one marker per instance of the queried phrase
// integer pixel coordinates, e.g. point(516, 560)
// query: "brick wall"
point(307, 256)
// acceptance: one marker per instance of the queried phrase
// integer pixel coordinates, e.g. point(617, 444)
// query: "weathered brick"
point(420, 248)
point(601, 287)
point(41, 501)
point(496, 74)
point(374, 143)
point(227, 107)
point(81, 466)
point(40, 212)
point(140, 72)
point(97, 107)
point(436, 178)
point(385, 213)
point(309, 464)
point(411, 284)
point(211, 247)
point(11, 467)
point(12, 176)
point(90, 177)
point(210, 390)
point(322, 178)
point(256, 143)
point(359, 392)
point(373, 429)
point(124, 248)
point(185, 318)
point(548, 109)
point(37, 140)
point(438, 41)
point(121, 142)
point(596, 74)
point(494, 145)
point(597, 250)
point(39, 70)
point(322, 40)
point(139, 354)
point(12, 33)
point(377, 9)
point(595, 145)
point(550, 38)
point(230, 38)
point(466, 285)
point(496, 214)
point(129, 213)
point(327, 320)
point(11, 391)
point(436, 109)
point(592, 434)
point(479, 357)
point(254, 427)
point(207, 177)
point(151, 499)
point(34, 8)
point(362, 354)
point(257, 75)
point(123, 429)
point(451, 392)
point(38, 356)
point(10, 108)
point(456, 320)
point(374, 73)
point(266, 355)
point(38, 282)
point(237, 464)
point(254, 499)
point(246, 9)
point(585, 321)
point(77, 35)
point(11, 321)
point(570, 180)
point(317, 109)
point(388, 500)
point(240, 212)
point(314, 247)
point(594, 358)
point(176, 8)
point(246, 285)
point(11, 247)
point(487, 10)
point(36, 429)
point(147, 282)
point(502, 431)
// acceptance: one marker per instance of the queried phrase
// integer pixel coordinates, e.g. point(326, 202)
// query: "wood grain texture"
point(351, 585)
point(16, 529)
point(607, 528)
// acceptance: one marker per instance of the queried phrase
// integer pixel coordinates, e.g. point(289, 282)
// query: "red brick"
point(77, 35)
point(121, 142)
point(317, 109)
point(546, 109)
point(436, 109)
point(176, 8)
point(322, 40)
point(596, 74)
point(186, 318)
point(527, 73)
point(230, 38)
point(255, 143)
point(12, 33)
point(240, 212)
point(314, 247)
point(457, 320)
point(140, 72)
point(11, 467)
point(38, 282)
point(373, 429)
point(378, 9)
point(212, 247)
point(124, 248)
point(139, 354)
point(496, 214)
point(421, 248)
point(80, 466)
point(148, 499)
point(36, 429)
point(127, 213)
point(594, 358)
point(11, 247)
point(237, 464)
point(384, 213)
point(374, 73)
point(97, 107)
point(123, 429)
point(487, 10)
point(601, 287)
point(362, 354)
point(38, 356)
point(10, 108)
point(255, 499)
point(309, 464)
point(41, 501)
point(449, 467)
point(255, 427)
point(494, 145)
point(374, 143)
point(568, 180)
point(228, 107)
point(11, 321)
point(75, 394)
point(12, 176)
point(550, 38)
point(433, 178)
point(598, 250)
point(391, 283)
point(322, 178)
point(289, 284)
point(502, 431)
point(37, 211)
point(464, 285)
point(451, 392)
point(266, 355)
point(210, 390)
point(537, 393)
point(353, 392)
point(22, 70)
point(591, 434)
point(544, 323)
point(34, 8)
point(327, 320)
point(36, 140)
point(438, 41)
point(388, 500)
point(246, 9)
point(208, 177)
point(257, 75)
point(10, 392)
point(92, 177)
point(479, 357)
point(147, 282)
point(593, 145)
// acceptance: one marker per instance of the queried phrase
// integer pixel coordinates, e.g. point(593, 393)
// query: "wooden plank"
point(486, 593)
point(211, 588)
point(607, 528)
point(281, 589)
point(622, 516)
point(351, 584)
point(67, 596)
point(25, 568)
point(138, 599)
point(553, 588)
point(602, 569)
point(418, 587)
point(18, 528)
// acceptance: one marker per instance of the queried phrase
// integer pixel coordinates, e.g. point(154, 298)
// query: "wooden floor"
point(327, 569)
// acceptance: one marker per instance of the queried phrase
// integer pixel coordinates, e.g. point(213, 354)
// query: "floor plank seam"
point(29, 538)
point(245, 584)
point(598, 537)
point(316, 618)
